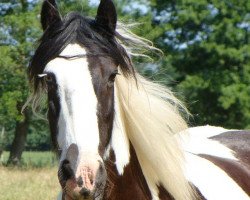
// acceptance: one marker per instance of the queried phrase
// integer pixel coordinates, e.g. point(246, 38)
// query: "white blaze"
point(77, 119)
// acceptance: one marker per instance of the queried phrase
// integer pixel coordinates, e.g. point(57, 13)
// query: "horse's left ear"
point(49, 13)
point(107, 16)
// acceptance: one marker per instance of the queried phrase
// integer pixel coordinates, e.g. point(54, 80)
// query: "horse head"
point(76, 63)
point(106, 129)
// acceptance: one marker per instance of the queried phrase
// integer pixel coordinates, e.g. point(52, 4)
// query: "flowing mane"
point(151, 118)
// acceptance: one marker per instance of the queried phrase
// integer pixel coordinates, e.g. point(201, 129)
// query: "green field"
point(31, 159)
point(36, 179)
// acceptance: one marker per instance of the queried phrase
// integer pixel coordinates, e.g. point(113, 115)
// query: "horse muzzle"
point(82, 176)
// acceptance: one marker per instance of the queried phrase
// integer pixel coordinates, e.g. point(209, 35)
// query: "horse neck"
point(131, 184)
point(148, 120)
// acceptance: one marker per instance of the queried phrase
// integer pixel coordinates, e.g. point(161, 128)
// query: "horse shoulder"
point(218, 164)
point(239, 142)
point(130, 185)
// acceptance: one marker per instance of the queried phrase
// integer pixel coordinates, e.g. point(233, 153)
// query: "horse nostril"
point(91, 180)
point(85, 192)
point(79, 182)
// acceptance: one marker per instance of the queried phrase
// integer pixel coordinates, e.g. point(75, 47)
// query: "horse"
point(117, 134)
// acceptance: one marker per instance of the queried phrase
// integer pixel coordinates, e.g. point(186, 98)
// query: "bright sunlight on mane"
point(151, 118)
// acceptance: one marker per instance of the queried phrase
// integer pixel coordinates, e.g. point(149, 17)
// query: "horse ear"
point(49, 13)
point(107, 16)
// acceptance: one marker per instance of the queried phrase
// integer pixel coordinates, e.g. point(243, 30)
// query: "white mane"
point(150, 118)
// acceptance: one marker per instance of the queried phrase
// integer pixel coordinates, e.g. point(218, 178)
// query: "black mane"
point(75, 28)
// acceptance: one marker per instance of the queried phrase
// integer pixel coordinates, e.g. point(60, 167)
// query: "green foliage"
point(20, 29)
point(207, 44)
point(34, 159)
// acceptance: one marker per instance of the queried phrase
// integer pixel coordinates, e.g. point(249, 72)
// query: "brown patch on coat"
point(131, 185)
point(236, 170)
point(239, 142)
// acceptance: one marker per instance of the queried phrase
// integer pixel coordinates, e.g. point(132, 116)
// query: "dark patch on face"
point(54, 108)
point(102, 70)
point(238, 141)
point(236, 170)
point(65, 172)
point(100, 182)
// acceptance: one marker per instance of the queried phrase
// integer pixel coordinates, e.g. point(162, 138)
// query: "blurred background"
point(206, 63)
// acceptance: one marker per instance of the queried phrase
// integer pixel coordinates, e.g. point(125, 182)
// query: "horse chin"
point(73, 192)
point(98, 196)
point(67, 197)
point(76, 196)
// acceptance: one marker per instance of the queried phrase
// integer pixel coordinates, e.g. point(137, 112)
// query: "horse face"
point(81, 98)
point(80, 85)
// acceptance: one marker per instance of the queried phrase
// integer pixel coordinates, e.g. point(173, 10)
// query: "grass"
point(36, 179)
point(28, 184)
point(34, 159)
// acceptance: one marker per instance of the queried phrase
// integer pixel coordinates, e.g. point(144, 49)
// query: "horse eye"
point(112, 79)
point(48, 79)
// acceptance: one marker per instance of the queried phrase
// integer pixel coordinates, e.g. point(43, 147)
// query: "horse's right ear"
point(49, 13)
point(106, 16)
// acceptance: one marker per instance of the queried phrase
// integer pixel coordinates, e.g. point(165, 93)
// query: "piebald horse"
point(119, 136)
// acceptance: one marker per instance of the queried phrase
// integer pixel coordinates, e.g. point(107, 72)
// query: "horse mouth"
point(77, 196)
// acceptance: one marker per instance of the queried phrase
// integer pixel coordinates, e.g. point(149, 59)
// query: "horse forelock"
point(75, 28)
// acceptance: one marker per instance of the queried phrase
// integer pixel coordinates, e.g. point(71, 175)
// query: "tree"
point(208, 53)
point(16, 42)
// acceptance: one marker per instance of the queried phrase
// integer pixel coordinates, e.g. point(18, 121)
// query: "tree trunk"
point(1, 143)
point(19, 141)
point(24, 4)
